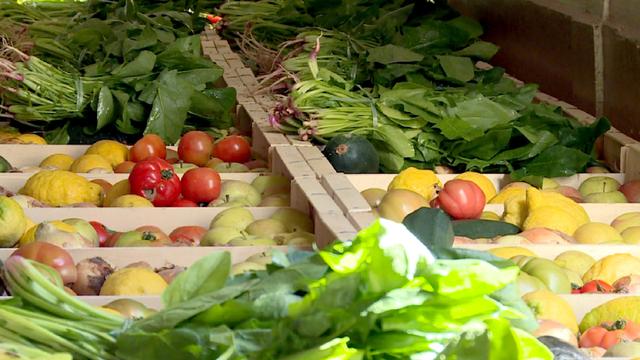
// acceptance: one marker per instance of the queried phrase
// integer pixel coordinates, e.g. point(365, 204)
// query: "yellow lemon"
point(62, 188)
point(133, 281)
point(118, 189)
point(423, 182)
point(29, 236)
point(483, 182)
point(507, 252)
point(613, 267)
point(12, 222)
point(130, 200)
point(553, 218)
point(32, 139)
point(506, 194)
point(115, 152)
point(539, 198)
point(516, 209)
point(57, 162)
point(597, 233)
point(549, 306)
point(91, 162)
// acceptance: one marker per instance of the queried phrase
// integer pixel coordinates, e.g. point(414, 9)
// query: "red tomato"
point(51, 255)
point(596, 286)
point(103, 232)
point(461, 199)
point(609, 334)
point(184, 203)
point(195, 147)
point(201, 185)
point(232, 148)
point(155, 180)
point(149, 146)
point(188, 235)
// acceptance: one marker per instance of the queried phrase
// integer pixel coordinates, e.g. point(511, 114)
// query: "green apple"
point(235, 190)
point(598, 184)
point(181, 168)
point(606, 197)
point(138, 239)
point(230, 168)
point(294, 220)
point(263, 258)
point(220, 236)
point(266, 228)
point(85, 229)
point(276, 200)
point(297, 238)
point(246, 266)
point(548, 184)
point(252, 240)
point(236, 218)
point(271, 184)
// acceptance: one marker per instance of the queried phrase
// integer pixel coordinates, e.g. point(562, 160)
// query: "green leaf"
point(206, 275)
point(556, 161)
point(480, 49)
point(58, 136)
point(395, 140)
point(431, 226)
point(336, 349)
point(170, 107)
point(146, 39)
point(390, 54)
point(468, 278)
point(142, 65)
point(105, 111)
point(457, 67)
point(198, 78)
point(470, 26)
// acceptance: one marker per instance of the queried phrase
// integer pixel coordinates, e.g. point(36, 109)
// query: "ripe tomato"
point(201, 185)
point(596, 286)
point(608, 334)
point(150, 145)
point(184, 203)
point(195, 147)
point(52, 255)
point(188, 235)
point(103, 232)
point(461, 199)
point(232, 148)
point(155, 180)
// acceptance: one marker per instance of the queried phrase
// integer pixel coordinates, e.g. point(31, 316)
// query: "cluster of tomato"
point(154, 178)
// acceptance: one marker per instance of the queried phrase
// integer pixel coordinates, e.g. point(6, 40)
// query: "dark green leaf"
point(556, 161)
point(390, 54)
point(470, 26)
point(431, 226)
point(479, 228)
point(457, 67)
point(106, 109)
point(480, 49)
point(170, 107)
point(206, 275)
point(58, 136)
point(142, 65)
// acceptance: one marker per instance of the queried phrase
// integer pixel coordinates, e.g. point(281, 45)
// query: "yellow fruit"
point(597, 233)
point(423, 182)
point(111, 311)
point(613, 267)
point(489, 215)
point(483, 182)
point(575, 260)
point(12, 222)
point(118, 189)
point(626, 307)
point(573, 277)
point(539, 198)
point(130, 200)
point(507, 252)
point(115, 152)
point(57, 161)
point(515, 209)
point(551, 217)
point(29, 236)
point(87, 163)
point(506, 194)
point(32, 139)
point(62, 188)
point(549, 306)
point(132, 282)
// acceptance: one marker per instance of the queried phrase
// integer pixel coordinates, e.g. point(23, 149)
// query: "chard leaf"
point(457, 67)
point(479, 49)
point(390, 54)
point(206, 275)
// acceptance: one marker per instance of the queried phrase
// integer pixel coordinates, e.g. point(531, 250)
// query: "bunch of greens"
point(381, 296)
point(42, 319)
point(132, 66)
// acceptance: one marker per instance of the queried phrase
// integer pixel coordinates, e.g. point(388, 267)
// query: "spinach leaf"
point(170, 107)
point(457, 67)
point(206, 275)
point(479, 49)
point(389, 54)
point(105, 111)
point(555, 161)
point(142, 65)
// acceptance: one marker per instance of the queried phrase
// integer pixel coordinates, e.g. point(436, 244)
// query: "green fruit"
point(229, 313)
point(352, 154)
point(4, 165)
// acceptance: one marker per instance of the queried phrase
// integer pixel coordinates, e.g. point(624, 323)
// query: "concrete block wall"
point(585, 52)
